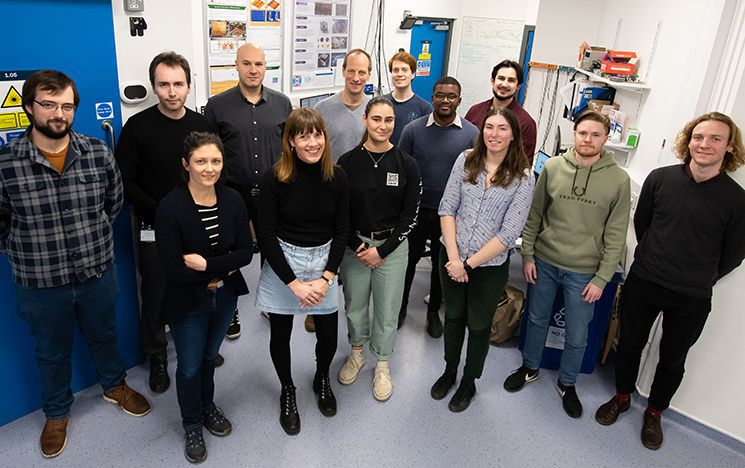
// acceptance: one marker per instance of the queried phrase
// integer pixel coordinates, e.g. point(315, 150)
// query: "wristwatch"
point(466, 266)
point(328, 281)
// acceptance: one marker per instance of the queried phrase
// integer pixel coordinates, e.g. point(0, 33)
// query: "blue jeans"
point(52, 313)
point(577, 316)
point(197, 338)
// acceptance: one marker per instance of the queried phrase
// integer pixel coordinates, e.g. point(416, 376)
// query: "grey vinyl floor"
point(499, 429)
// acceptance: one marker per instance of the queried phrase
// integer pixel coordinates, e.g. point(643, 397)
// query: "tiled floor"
point(528, 428)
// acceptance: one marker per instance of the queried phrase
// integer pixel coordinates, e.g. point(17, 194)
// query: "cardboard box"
point(601, 106)
point(621, 55)
point(589, 54)
point(615, 68)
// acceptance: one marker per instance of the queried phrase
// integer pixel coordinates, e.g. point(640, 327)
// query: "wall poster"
point(320, 42)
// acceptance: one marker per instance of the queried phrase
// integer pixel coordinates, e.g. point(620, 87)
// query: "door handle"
point(109, 129)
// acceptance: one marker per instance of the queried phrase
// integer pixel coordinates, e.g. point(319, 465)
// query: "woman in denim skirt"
point(202, 240)
point(384, 190)
point(303, 228)
point(482, 212)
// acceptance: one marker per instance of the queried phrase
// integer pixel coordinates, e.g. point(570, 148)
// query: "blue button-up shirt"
point(484, 213)
point(55, 227)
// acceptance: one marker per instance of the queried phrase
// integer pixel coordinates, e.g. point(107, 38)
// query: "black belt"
point(377, 235)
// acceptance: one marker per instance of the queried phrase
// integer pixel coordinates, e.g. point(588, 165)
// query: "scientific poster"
point(230, 23)
point(320, 42)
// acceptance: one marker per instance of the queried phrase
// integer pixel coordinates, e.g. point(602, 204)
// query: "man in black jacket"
point(149, 156)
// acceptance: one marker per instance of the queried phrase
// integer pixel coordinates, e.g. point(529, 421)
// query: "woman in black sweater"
point(385, 187)
point(303, 227)
point(203, 240)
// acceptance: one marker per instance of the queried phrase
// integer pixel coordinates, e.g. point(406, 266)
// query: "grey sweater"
point(343, 125)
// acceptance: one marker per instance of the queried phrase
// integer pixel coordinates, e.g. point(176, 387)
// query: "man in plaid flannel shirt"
point(59, 194)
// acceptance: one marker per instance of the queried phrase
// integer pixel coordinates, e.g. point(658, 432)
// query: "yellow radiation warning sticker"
point(12, 98)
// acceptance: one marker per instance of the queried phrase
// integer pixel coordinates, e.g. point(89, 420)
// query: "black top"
point(306, 212)
point(149, 156)
point(690, 234)
point(179, 231)
point(382, 197)
point(251, 133)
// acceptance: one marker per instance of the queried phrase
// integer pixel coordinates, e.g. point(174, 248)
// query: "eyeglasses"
point(446, 97)
point(53, 106)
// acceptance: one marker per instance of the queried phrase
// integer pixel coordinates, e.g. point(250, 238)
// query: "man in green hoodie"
point(574, 237)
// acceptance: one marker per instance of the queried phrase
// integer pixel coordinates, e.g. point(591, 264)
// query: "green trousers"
point(471, 305)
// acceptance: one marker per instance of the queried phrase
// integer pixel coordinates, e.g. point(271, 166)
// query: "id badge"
point(147, 235)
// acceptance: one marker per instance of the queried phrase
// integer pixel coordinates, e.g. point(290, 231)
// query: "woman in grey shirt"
point(482, 212)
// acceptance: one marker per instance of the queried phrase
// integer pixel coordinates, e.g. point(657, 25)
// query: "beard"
point(503, 98)
point(48, 131)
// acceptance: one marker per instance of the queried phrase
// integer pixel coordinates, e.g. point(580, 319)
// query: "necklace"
point(375, 163)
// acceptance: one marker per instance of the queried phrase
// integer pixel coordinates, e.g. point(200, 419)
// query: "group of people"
point(350, 192)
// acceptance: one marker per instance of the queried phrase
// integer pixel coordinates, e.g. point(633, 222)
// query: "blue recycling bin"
point(551, 357)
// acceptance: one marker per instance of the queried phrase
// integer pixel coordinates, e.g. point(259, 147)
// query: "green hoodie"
point(579, 216)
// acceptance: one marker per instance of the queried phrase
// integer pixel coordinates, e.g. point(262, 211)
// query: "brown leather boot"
point(310, 324)
point(130, 401)
point(53, 437)
point(608, 412)
point(651, 431)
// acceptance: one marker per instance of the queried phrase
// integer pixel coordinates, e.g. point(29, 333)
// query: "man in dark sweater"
point(435, 141)
point(149, 156)
point(506, 80)
point(690, 224)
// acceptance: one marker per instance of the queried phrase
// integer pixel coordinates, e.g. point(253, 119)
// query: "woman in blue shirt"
point(482, 212)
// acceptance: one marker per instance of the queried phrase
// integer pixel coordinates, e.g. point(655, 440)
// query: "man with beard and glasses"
point(435, 141)
point(506, 80)
point(149, 154)
point(59, 194)
point(573, 240)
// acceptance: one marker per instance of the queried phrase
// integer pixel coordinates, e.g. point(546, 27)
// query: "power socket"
point(134, 5)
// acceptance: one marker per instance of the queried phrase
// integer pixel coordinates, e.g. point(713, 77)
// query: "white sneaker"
point(382, 384)
point(351, 369)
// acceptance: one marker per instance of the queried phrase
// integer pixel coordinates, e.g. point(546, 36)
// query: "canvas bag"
point(507, 317)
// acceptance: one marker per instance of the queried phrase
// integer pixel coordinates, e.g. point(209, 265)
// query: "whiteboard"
point(484, 42)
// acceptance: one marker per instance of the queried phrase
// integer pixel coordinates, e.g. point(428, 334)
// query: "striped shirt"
point(210, 220)
point(56, 227)
point(484, 213)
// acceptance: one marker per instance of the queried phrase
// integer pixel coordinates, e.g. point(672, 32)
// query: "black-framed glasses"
point(53, 106)
point(446, 97)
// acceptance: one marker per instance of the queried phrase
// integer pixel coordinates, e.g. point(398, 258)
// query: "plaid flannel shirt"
point(57, 227)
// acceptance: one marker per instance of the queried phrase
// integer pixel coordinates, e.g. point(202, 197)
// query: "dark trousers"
point(152, 287)
point(52, 314)
point(279, 343)
point(252, 208)
point(428, 227)
point(197, 338)
point(471, 306)
point(683, 319)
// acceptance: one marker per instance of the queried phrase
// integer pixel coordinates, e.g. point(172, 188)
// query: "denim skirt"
point(308, 263)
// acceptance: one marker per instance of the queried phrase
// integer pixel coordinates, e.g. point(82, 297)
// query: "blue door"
point(429, 42)
point(76, 37)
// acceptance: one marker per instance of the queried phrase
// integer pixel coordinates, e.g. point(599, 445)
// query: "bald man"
point(250, 119)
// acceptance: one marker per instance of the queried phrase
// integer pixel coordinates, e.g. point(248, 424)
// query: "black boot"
point(463, 396)
point(326, 398)
point(434, 325)
point(288, 415)
point(159, 380)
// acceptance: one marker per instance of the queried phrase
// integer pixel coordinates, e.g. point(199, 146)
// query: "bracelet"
point(466, 266)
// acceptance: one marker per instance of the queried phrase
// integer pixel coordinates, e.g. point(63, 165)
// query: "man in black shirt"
point(149, 157)
point(250, 119)
point(690, 224)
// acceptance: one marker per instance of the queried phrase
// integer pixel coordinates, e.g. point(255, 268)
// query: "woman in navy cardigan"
point(203, 240)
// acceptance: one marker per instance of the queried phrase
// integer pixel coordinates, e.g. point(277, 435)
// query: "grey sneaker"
point(194, 449)
point(520, 377)
point(216, 422)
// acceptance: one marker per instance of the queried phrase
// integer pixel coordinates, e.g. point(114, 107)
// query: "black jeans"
point(279, 343)
point(152, 286)
point(683, 319)
point(428, 227)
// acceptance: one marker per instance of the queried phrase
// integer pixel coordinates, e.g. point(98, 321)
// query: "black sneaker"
point(443, 385)
point(234, 329)
point(569, 399)
point(194, 448)
point(520, 377)
point(462, 397)
point(216, 422)
point(219, 360)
